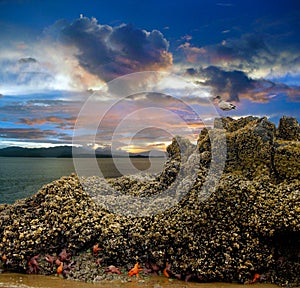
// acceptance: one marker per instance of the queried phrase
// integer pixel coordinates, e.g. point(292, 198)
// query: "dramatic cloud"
point(80, 55)
point(231, 83)
point(108, 51)
point(234, 85)
point(260, 54)
point(245, 52)
point(44, 83)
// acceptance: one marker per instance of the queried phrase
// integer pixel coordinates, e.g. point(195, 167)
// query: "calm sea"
point(21, 177)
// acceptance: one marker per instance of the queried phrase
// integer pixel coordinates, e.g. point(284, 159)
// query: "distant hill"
point(60, 151)
point(66, 152)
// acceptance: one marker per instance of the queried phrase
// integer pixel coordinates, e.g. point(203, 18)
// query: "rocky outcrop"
point(256, 148)
point(288, 129)
point(240, 216)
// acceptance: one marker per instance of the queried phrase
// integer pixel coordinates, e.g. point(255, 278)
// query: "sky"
point(130, 75)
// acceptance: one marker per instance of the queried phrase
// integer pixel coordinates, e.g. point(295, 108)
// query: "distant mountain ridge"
point(15, 151)
point(66, 152)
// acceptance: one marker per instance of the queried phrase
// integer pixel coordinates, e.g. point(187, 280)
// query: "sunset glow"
point(54, 56)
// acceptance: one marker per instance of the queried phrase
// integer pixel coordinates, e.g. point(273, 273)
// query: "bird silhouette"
point(224, 105)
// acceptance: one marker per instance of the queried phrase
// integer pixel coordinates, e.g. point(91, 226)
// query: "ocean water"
point(21, 177)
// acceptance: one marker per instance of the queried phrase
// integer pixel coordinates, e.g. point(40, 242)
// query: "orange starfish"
point(166, 274)
point(96, 249)
point(135, 270)
point(255, 278)
point(59, 269)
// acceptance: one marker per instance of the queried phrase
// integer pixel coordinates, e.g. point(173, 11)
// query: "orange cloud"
point(62, 122)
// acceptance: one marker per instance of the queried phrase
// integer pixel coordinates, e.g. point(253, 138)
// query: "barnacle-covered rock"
point(288, 129)
point(286, 160)
point(234, 213)
point(60, 215)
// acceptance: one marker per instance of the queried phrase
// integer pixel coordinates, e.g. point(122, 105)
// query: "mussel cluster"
point(211, 225)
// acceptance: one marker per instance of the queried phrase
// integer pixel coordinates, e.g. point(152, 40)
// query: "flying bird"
point(224, 105)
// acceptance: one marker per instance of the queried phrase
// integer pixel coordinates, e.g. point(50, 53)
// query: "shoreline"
point(15, 280)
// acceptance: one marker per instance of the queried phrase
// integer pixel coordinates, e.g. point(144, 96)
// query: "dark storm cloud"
point(247, 53)
point(271, 50)
point(236, 84)
point(113, 51)
point(231, 82)
point(250, 52)
point(27, 60)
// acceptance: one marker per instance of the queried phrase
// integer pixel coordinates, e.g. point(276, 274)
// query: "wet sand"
point(15, 280)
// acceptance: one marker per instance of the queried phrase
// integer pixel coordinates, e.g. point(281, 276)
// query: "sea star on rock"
point(98, 261)
point(255, 278)
point(64, 256)
point(67, 268)
point(96, 249)
point(59, 269)
point(135, 270)
point(50, 259)
point(113, 269)
point(33, 265)
point(166, 271)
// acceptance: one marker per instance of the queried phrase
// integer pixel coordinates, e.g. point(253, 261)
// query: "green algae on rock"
point(249, 223)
